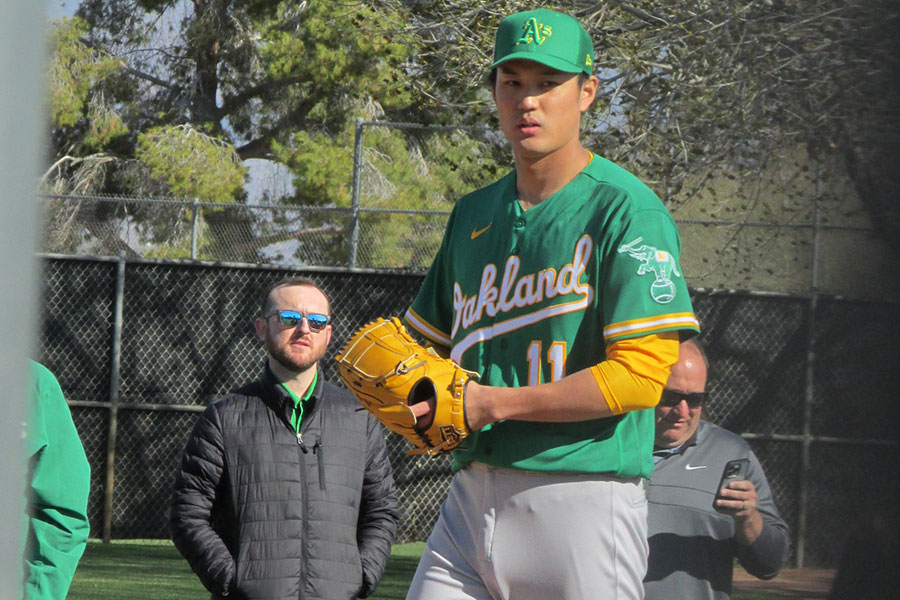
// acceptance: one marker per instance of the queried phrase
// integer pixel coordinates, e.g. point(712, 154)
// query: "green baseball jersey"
point(526, 297)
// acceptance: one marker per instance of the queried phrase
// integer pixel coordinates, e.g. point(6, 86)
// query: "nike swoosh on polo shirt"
point(477, 232)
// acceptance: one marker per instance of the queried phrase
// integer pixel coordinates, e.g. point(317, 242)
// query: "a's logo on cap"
point(534, 32)
point(587, 60)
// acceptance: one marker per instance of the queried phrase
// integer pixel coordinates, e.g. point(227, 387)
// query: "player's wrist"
point(465, 406)
point(475, 406)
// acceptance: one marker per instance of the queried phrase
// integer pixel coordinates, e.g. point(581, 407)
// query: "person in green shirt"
point(559, 285)
point(57, 485)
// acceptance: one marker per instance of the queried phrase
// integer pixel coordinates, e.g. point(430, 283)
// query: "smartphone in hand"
point(735, 470)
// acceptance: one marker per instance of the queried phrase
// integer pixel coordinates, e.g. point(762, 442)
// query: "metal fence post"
point(194, 226)
point(809, 396)
point(354, 194)
point(115, 362)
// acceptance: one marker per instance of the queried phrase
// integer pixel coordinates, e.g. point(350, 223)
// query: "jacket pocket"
point(320, 462)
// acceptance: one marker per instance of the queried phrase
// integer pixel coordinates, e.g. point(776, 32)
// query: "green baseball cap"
point(545, 36)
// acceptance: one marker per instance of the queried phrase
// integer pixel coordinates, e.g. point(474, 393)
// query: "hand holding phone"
point(735, 470)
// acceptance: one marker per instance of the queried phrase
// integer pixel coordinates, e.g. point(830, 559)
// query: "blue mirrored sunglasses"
point(293, 318)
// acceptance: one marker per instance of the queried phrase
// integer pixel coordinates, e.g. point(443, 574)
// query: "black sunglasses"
point(293, 318)
point(672, 398)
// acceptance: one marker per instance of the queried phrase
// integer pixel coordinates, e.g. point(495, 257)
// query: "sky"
point(60, 8)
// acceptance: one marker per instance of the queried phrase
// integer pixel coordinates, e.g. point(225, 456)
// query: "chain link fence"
point(795, 226)
point(141, 346)
point(847, 260)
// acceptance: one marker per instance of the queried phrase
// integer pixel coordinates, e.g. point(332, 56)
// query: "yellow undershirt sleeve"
point(636, 370)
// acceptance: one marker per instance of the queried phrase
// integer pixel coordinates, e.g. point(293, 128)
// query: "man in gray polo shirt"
point(692, 543)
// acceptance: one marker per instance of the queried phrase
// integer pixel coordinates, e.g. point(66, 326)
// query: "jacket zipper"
point(317, 451)
point(304, 554)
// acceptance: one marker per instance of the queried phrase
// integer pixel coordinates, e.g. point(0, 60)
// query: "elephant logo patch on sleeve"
point(659, 262)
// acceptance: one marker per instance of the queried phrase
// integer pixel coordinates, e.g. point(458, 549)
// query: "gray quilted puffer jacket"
point(260, 516)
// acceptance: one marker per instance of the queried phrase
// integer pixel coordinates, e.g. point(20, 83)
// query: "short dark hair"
point(290, 282)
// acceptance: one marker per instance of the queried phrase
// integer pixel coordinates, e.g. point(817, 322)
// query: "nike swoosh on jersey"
point(693, 468)
point(477, 232)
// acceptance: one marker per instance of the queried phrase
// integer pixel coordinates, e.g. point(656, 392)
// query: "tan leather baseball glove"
point(389, 371)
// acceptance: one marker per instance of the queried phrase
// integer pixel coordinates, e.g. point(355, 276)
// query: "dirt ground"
point(802, 584)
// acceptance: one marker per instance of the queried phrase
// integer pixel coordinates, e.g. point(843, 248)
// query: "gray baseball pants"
point(507, 534)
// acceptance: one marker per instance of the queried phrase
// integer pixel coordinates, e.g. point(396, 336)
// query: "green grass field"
point(156, 571)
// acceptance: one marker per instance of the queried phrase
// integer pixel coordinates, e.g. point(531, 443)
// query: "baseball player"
point(559, 285)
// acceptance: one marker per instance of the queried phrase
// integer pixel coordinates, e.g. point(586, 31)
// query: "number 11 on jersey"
point(556, 356)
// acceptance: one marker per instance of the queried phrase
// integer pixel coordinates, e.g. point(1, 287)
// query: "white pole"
point(22, 60)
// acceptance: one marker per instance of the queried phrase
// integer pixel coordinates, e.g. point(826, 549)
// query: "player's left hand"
point(738, 499)
point(411, 389)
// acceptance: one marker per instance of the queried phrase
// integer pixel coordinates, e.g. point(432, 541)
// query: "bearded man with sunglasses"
point(695, 530)
point(285, 489)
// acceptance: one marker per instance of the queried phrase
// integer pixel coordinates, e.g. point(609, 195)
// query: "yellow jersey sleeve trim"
point(426, 329)
point(656, 324)
point(636, 370)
